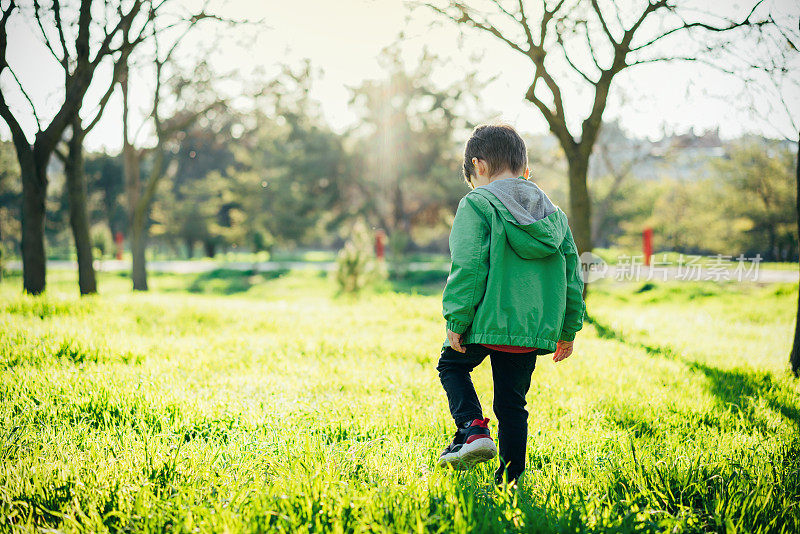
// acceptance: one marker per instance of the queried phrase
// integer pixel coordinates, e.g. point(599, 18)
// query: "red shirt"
point(509, 348)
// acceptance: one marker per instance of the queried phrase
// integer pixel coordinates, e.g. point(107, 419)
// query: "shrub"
point(356, 265)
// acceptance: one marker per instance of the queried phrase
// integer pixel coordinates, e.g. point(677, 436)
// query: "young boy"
point(514, 292)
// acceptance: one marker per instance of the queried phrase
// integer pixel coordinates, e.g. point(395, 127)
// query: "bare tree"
point(591, 42)
point(794, 355)
point(770, 76)
point(782, 66)
point(140, 196)
point(78, 48)
point(72, 158)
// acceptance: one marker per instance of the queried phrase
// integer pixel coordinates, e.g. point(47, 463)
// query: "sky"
point(343, 39)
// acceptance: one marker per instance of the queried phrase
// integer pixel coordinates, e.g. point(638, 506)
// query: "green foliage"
point(284, 409)
point(744, 204)
point(356, 265)
point(760, 198)
point(408, 148)
point(106, 184)
point(10, 199)
point(102, 241)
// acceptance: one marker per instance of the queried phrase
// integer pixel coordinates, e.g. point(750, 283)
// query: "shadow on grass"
point(736, 387)
point(731, 387)
point(229, 281)
point(418, 282)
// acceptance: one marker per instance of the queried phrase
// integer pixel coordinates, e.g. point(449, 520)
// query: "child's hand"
point(455, 341)
point(563, 350)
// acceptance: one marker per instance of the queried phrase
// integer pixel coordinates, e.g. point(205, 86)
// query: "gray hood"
point(523, 198)
point(535, 227)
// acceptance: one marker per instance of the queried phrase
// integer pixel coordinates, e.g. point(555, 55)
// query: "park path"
point(615, 273)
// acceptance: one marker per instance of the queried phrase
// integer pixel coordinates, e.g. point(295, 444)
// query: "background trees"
point(589, 43)
point(209, 165)
point(79, 44)
point(407, 148)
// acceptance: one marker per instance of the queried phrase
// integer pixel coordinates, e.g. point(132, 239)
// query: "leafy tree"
point(190, 208)
point(106, 185)
point(9, 202)
point(407, 162)
point(760, 198)
point(191, 96)
point(291, 182)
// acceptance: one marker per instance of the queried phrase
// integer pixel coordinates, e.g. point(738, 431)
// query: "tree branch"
point(683, 58)
point(705, 26)
point(104, 100)
point(125, 20)
point(591, 48)
point(466, 18)
point(559, 128)
point(606, 30)
point(627, 36)
point(523, 20)
point(82, 40)
point(60, 28)
point(17, 133)
point(62, 157)
point(27, 97)
point(46, 39)
point(547, 16)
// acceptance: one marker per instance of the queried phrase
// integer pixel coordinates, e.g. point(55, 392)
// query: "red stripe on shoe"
point(477, 436)
point(482, 423)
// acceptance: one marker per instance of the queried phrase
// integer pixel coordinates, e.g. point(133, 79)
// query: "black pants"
point(511, 374)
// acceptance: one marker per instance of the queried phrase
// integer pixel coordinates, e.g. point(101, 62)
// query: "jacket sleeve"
point(469, 252)
point(576, 307)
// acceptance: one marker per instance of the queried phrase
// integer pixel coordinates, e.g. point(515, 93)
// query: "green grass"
point(233, 402)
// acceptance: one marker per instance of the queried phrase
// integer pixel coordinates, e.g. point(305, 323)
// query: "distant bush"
point(102, 241)
point(356, 265)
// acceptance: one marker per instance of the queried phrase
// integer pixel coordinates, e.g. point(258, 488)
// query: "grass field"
point(236, 403)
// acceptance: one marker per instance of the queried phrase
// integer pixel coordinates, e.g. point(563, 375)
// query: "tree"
point(140, 197)
point(408, 167)
point(608, 40)
point(782, 66)
point(9, 201)
point(760, 195)
point(290, 181)
point(189, 210)
point(770, 75)
point(79, 49)
point(75, 175)
point(618, 156)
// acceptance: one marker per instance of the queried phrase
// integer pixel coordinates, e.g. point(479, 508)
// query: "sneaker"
point(471, 445)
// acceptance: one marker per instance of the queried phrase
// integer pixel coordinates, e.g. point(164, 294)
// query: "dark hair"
point(499, 145)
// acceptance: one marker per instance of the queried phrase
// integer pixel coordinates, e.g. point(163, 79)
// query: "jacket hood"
point(535, 227)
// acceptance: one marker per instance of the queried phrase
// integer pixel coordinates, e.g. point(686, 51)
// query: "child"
point(514, 292)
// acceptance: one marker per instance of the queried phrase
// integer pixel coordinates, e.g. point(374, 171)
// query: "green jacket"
point(515, 277)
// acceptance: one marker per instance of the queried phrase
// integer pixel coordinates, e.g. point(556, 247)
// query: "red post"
point(380, 244)
point(647, 244)
point(118, 238)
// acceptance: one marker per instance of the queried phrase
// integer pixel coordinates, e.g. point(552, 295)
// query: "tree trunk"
point(138, 246)
point(136, 214)
point(78, 213)
point(210, 248)
point(34, 192)
point(794, 357)
point(1, 250)
point(579, 204)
